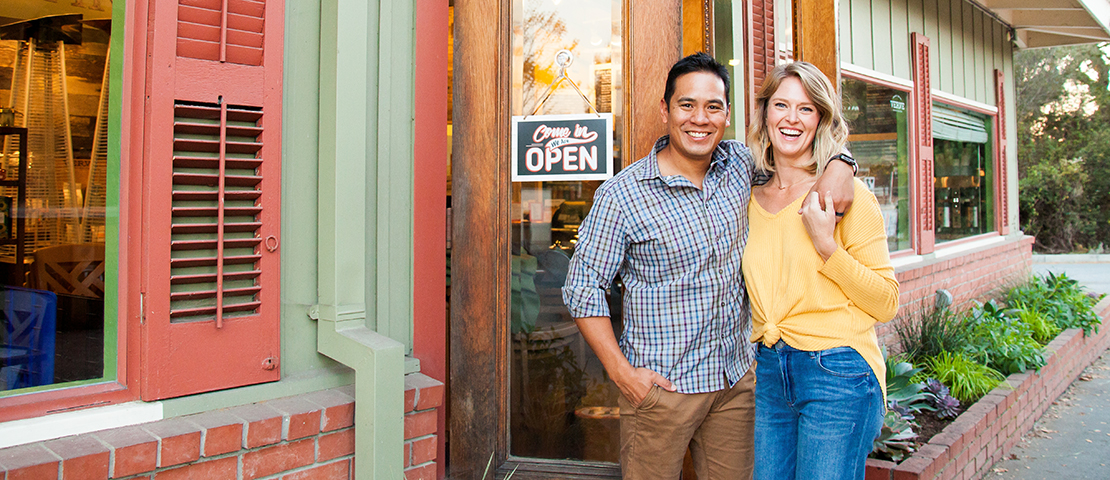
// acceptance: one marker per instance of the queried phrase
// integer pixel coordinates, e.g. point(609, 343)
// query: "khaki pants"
point(718, 428)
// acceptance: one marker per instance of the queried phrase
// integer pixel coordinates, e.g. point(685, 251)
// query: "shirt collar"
point(651, 167)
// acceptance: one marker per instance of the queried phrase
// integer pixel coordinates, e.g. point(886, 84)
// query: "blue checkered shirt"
point(677, 249)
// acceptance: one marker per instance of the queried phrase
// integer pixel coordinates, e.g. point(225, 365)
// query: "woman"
point(817, 287)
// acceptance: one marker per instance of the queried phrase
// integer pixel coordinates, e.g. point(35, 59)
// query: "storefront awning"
point(1049, 23)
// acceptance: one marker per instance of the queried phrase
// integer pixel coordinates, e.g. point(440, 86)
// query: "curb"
point(1072, 258)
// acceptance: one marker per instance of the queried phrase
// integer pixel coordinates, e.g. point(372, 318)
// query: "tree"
point(1063, 110)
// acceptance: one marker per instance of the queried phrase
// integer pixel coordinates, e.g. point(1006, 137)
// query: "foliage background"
point(1063, 109)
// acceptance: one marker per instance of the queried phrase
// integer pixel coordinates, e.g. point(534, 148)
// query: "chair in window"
point(75, 269)
point(27, 342)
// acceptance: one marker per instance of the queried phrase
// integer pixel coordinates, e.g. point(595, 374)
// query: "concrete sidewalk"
point(1072, 439)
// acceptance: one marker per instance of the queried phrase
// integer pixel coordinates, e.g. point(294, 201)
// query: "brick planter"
point(990, 428)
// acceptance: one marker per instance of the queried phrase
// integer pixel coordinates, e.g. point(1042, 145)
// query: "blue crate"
point(27, 344)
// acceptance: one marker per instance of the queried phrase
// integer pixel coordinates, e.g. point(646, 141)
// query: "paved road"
point(1072, 439)
point(1093, 271)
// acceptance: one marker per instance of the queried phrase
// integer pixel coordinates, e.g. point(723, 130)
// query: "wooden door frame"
point(481, 195)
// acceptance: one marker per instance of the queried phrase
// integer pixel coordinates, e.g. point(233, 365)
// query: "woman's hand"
point(820, 223)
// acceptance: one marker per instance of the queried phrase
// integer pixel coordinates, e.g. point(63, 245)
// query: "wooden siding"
point(967, 44)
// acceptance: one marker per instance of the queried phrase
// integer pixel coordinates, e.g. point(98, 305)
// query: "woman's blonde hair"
point(832, 130)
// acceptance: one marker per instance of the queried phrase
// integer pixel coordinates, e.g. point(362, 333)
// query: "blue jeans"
point(816, 413)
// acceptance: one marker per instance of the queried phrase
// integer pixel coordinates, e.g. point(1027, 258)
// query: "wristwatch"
point(844, 157)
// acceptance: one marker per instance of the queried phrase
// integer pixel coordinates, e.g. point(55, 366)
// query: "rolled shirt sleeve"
point(602, 242)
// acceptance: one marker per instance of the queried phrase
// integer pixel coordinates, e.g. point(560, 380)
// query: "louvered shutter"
point(923, 143)
point(211, 199)
point(1002, 193)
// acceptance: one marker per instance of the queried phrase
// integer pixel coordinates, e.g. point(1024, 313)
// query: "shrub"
point(1060, 299)
point(928, 335)
point(967, 380)
point(998, 339)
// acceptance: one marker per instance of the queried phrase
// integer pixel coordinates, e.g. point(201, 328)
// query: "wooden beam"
point(650, 53)
point(815, 36)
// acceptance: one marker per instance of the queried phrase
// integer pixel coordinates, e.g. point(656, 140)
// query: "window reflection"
point(963, 175)
point(53, 191)
point(562, 404)
point(878, 140)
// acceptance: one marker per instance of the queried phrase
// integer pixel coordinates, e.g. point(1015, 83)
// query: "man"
point(673, 225)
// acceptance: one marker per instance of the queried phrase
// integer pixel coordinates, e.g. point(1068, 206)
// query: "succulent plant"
point(895, 440)
point(936, 388)
point(947, 407)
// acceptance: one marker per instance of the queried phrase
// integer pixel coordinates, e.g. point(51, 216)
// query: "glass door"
point(562, 405)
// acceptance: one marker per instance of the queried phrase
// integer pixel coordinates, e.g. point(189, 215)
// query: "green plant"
point(903, 394)
point(967, 380)
point(490, 464)
point(896, 438)
point(925, 336)
point(1043, 328)
point(998, 339)
point(1059, 298)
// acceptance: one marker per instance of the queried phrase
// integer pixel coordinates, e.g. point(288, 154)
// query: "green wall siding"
point(967, 45)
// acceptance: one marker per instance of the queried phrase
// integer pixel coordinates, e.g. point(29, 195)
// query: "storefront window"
point(878, 140)
point(963, 173)
point(562, 404)
point(53, 192)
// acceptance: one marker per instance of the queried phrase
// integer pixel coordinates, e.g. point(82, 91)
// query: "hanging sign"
point(562, 147)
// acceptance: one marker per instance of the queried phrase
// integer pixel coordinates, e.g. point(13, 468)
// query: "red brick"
point(278, 458)
point(423, 472)
point(429, 391)
point(302, 418)
point(220, 469)
point(879, 469)
point(179, 441)
point(223, 432)
point(420, 424)
point(338, 409)
point(36, 472)
point(424, 450)
point(136, 450)
point(83, 457)
point(335, 445)
point(340, 470)
point(264, 424)
point(407, 455)
point(410, 399)
point(30, 462)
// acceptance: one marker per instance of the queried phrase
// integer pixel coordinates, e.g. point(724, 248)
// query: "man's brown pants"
point(718, 428)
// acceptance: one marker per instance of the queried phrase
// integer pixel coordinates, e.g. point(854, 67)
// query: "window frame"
point(854, 72)
point(122, 296)
point(991, 112)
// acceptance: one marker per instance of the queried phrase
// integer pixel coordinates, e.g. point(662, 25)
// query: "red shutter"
point(1002, 211)
point(923, 144)
point(763, 41)
point(212, 166)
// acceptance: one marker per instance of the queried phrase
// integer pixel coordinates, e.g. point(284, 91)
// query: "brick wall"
point(304, 437)
point(990, 428)
point(974, 275)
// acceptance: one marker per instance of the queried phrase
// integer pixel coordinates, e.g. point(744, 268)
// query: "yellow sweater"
point(813, 304)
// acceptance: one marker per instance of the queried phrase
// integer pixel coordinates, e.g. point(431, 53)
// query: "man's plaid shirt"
point(677, 249)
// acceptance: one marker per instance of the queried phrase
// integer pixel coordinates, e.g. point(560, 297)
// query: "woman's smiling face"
point(792, 121)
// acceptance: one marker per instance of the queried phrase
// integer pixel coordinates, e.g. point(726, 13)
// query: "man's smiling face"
point(697, 115)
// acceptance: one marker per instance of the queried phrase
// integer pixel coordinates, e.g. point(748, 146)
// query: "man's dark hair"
point(698, 62)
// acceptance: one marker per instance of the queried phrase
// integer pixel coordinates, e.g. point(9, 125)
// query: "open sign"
point(562, 147)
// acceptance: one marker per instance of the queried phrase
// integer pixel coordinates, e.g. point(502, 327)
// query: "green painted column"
point(365, 215)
